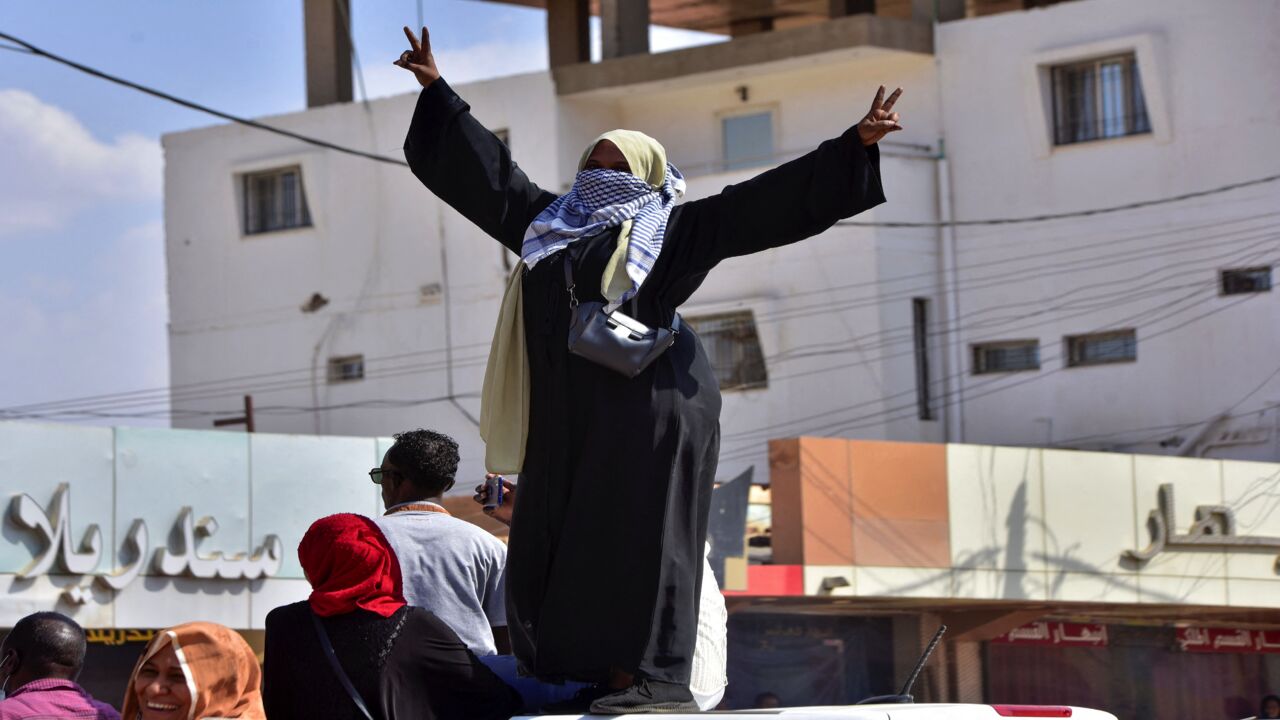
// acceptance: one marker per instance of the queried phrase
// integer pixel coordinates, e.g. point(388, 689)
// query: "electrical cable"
point(942, 328)
point(848, 223)
point(198, 107)
point(745, 436)
point(1073, 214)
point(892, 414)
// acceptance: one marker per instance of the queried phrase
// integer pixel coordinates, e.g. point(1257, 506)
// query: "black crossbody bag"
point(337, 667)
point(615, 340)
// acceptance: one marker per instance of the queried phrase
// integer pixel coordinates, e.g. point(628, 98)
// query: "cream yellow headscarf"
point(504, 398)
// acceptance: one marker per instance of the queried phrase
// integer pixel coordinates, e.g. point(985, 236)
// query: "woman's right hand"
point(418, 59)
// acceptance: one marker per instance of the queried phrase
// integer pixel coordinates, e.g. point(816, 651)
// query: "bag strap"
point(569, 287)
point(337, 667)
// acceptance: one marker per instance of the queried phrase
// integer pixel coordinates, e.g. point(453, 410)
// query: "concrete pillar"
point(568, 36)
point(945, 10)
point(624, 28)
point(842, 8)
point(738, 28)
point(328, 51)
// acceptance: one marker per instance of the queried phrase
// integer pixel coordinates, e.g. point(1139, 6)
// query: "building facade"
point(347, 300)
point(1143, 585)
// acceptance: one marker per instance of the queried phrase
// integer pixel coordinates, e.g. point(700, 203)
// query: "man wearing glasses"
point(449, 566)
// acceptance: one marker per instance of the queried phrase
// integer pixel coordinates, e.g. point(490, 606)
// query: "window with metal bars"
point(1098, 99)
point(274, 200)
point(733, 348)
point(1243, 281)
point(346, 368)
point(1006, 356)
point(1102, 348)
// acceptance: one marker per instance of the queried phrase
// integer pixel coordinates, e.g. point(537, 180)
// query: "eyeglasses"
point(376, 475)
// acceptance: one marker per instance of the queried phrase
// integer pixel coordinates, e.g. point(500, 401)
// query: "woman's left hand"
point(880, 120)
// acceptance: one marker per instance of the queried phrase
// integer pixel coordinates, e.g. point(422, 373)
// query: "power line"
point(198, 107)
point(849, 223)
point(1228, 414)
point(1007, 259)
point(1073, 214)
point(237, 383)
point(274, 382)
point(904, 334)
point(1009, 277)
point(896, 413)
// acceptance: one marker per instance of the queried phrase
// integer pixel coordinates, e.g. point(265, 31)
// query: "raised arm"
point(460, 161)
point(795, 200)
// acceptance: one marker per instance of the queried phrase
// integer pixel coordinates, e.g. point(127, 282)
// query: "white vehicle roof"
point(921, 711)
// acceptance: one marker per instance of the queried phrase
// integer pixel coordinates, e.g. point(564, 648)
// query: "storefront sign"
point(1214, 529)
point(1065, 634)
point(1228, 640)
point(54, 527)
point(115, 636)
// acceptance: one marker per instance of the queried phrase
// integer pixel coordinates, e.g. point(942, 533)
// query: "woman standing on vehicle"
point(594, 595)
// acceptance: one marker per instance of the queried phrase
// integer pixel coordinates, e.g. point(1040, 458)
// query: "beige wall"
point(998, 523)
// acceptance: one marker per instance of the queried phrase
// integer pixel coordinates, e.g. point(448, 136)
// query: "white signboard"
point(145, 528)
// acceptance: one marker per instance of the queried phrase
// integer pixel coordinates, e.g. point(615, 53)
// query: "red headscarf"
point(350, 565)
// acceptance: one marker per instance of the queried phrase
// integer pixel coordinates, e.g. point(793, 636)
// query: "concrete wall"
point(833, 313)
point(378, 235)
point(969, 522)
point(1155, 269)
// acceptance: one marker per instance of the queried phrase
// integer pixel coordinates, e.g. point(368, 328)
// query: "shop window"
point(1243, 281)
point(1006, 356)
point(733, 348)
point(1098, 99)
point(748, 140)
point(346, 368)
point(1102, 348)
point(274, 200)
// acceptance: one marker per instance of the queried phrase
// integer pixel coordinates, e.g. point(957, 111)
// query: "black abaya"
point(605, 553)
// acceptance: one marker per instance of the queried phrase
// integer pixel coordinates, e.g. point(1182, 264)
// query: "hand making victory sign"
point(418, 59)
point(880, 120)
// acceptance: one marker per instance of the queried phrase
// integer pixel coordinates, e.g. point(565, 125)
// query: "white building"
point(853, 326)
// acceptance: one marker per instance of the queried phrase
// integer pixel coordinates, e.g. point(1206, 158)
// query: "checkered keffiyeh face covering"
point(598, 201)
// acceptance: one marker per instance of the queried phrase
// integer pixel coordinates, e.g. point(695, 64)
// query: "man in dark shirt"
point(40, 660)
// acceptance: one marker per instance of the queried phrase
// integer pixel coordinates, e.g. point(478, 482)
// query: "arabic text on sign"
point(1064, 634)
point(1228, 640)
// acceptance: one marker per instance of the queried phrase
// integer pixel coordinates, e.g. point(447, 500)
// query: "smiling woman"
point(196, 670)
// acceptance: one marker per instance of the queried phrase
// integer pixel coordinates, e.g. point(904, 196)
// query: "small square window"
point(346, 368)
point(748, 140)
point(1243, 281)
point(1102, 348)
point(1006, 356)
point(733, 348)
point(274, 200)
point(1098, 99)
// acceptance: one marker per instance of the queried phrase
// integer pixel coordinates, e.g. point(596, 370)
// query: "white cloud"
point(461, 65)
point(486, 60)
point(662, 39)
point(55, 168)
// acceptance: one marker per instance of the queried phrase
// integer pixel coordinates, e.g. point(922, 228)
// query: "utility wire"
point(198, 107)
point(1073, 214)
point(279, 380)
point(802, 426)
point(848, 223)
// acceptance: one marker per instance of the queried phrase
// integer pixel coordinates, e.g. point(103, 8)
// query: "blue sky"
point(82, 283)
